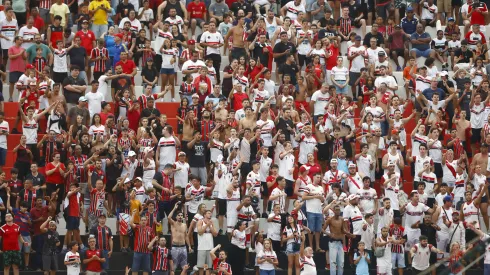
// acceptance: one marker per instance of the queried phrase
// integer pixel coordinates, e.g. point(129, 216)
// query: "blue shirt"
point(362, 266)
point(421, 47)
point(429, 92)
point(409, 26)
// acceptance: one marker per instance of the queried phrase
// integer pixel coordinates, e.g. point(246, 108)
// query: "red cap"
point(29, 66)
point(120, 35)
point(394, 131)
point(303, 168)
point(191, 42)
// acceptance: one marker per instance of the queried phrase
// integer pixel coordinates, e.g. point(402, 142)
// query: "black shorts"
point(430, 202)
point(470, 235)
point(221, 207)
point(475, 135)
point(397, 214)
point(289, 188)
point(456, 3)
point(109, 185)
point(353, 78)
point(5, 53)
point(398, 52)
point(354, 243)
point(322, 151)
point(265, 190)
point(59, 77)
point(14, 76)
point(438, 170)
point(164, 208)
point(324, 242)
point(484, 199)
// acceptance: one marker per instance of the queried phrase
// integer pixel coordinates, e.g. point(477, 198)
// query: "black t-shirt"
point(368, 37)
point(72, 97)
point(50, 239)
point(78, 56)
point(283, 125)
point(148, 112)
point(197, 154)
point(36, 180)
point(290, 69)
point(149, 74)
point(258, 52)
point(235, 7)
point(140, 44)
point(113, 171)
point(123, 9)
point(121, 83)
point(282, 47)
point(467, 54)
point(324, 22)
point(355, 10)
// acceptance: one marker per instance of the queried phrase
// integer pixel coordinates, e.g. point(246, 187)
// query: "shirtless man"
point(179, 238)
point(321, 139)
point(239, 48)
point(221, 113)
point(294, 114)
point(461, 125)
point(338, 231)
point(250, 119)
point(480, 159)
point(301, 94)
point(188, 128)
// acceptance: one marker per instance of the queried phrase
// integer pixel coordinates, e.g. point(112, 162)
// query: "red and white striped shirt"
point(101, 63)
point(97, 199)
point(143, 236)
point(161, 256)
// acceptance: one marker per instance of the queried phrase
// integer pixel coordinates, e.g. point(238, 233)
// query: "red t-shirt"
point(104, 116)
point(476, 17)
point(56, 176)
point(38, 22)
point(74, 205)
point(196, 10)
point(10, 237)
point(127, 66)
point(238, 99)
point(332, 60)
point(87, 39)
point(94, 266)
point(33, 96)
point(134, 118)
point(272, 179)
point(36, 214)
point(315, 168)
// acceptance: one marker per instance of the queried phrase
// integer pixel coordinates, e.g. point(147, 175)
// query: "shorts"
point(164, 209)
point(203, 257)
point(14, 76)
point(72, 223)
point(199, 21)
point(456, 3)
point(236, 53)
point(222, 207)
point(444, 5)
point(265, 189)
point(167, 71)
point(44, 13)
point(141, 261)
point(93, 220)
point(355, 243)
point(484, 199)
point(3, 156)
point(23, 248)
point(438, 170)
point(397, 257)
point(59, 77)
point(343, 90)
point(324, 240)
point(352, 79)
point(424, 53)
point(412, 238)
point(315, 221)
point(290, 249)
point(289, 188)
point(475, 135)
point(50, 262)
point(322, 151)
point(179, 256)
point(430, 202)
point(381, 269)
point(398, 52)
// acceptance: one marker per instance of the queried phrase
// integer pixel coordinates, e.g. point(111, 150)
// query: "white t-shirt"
point(94, 102)
point(94, 130)
point(339, 74)
point(214, 39)
point(367, 199)
point(306, 145)
point(28, 34)
point(353, 214)
point(135, 24)
point(198, 194)
point(267, 255)
point(8, 29)
point(60, 64)
point(181, 177)
point(321, 101)
point(285, 164)
point(314, 205)
point(190, 65)
point(4, 127)
point(292, 10)
point(167, 150)
point(72, 269)
point(358, 62)
point(413, 214)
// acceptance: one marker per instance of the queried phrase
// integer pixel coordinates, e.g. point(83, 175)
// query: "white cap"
point(131, 154)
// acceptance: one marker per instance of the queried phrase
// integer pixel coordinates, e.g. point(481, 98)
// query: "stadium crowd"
point(294, 119)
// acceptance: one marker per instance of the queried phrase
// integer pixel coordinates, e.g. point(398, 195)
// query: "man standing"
point(143, 235)
point(103, 240)
point(179, 239)
point(238, 49)
point(28, 32)
point(74, 87)
point(93, 258)
point(336, 238)
point(94, 99)
point(98, 10)
point(212, 41)
point(314, 197)
point(282, 51)
point(61, 9)
point(163, 260)
point(197, 15)
point(10, 235)
point(87, 42)
point(420, 254)
point(206, 231)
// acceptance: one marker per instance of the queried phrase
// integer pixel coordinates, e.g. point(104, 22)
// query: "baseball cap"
point(398, 26)
point(444, 73)
point(191, 42)
point(394, 131)
point(447, 198)
point(131, 154)
point(409, 9)
point(82, 98)
point(181, 153)
point(333, 161)
point(195, 95)
point(413, 191)
point(120, 35)
point(138, 178)
point(85, 21)
point(29, 66)
point(382, 53)
point(358, 38)
point(303, 168)
point(352, 165)
point(450, 19)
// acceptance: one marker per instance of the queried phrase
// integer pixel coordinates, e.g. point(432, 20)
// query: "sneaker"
point(327, 267)
point(220, 232)
point(398, 68)
point(251, 250)
point(173, 100)
point(11, 100)
point(123, 250)
point(15, 131)
point(264, 215)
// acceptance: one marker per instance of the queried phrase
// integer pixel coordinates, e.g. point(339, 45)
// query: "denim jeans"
point(336, 254)
point(105, 265)
point(267, 272)
point(486, 269)
point(99, 30)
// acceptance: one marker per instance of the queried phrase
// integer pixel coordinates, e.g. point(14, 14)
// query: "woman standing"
point(148, 166)
point(340, 76)
point(292, 236)
point(228, 77)
point(110, 45)
point(24, 157)
point(267, 259)
point(113, 169)
point(96, 130)
point(238, 246)
point(55, 174)
point(167, 72)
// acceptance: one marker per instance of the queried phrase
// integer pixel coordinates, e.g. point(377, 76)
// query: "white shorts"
point(442, 242)
point(383, 270)
point(412, 238)
point(328, 79)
